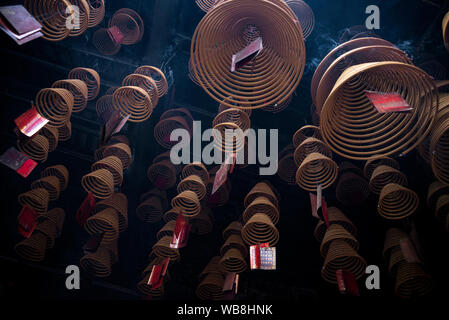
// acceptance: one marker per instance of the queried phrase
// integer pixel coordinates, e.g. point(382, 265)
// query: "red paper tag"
point(181, 233)
point(220, 177)
point(347, 284)
point(324, 211)
point(85, 210)
point(30, 122)
point(27, 221)
point(116, 35)
point(313, 204)
point(255, 257)
point(27, 168)
point(244, 56)
point(230, 160)
point(408, 250)
point(388, 102)
point(114, 124)
point(18, 161)
point(157, 274)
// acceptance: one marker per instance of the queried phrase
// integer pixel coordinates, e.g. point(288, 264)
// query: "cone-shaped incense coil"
point(202, 223)
point(320, 230)
point(335, 232)
point(305, 132)
point(90, 77)
point(442, 207)
point(51, 184)
point(352, 189)
point(237, 116)
point(104, 108)
point(234, 241)
point(233, 261)
point(144, 82)
point(78, 89)
point(439, 141)
point(118, 202)
point(55, 104)
point(98, 263)
point(188, 203)
point(162, 174)
point(167, 230)
point(436, 189)
point(308, 146)
point(157, 75)
point(228, 137)
point(96, 12)
point(287, 169)
point(50, 230)
point(393, 239)
point(52, 135)
point(194, 184)
point(260, 229)
point(56, 216)
point(197, 169)
point(36, 147)
point(171, 214)
point(155, 192)
point(165, 127)
point(316, 169)
point(212, 267)
point(234, 227)
point(60, 172)
point(396, 258)
point(397, 202)
point(261, 189)
point(261, 205)
point(36, 199)
point(341, 256)
point(65, 131)
point(113, 165)
point(130, 25)
point(105, 221)
point(412, 280)
point(211, 288)
point(133, 101)
point(105, 42)
point(384, 175)
point(347, 166)
point(121, 151)
point(33, 248)
point(305, 16)
point(99, 182)
point(335, 216)
point(162, 249)
point(150, 211)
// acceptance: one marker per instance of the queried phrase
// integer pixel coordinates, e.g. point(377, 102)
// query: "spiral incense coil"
point(352, 189)
point(52, 135)
point(442, 207)
point(148, 290)
point(162, 249)
point(179, 112)
point(228, 137)
point(354, 129)
point(155, 192)
point(162, 174)
point(96, 12)
point(397, 202)
point(150, 211)
point(171, 214)
point(195, 184)
point(99, 263)
point(105, 43)
point(234, 228)
point(396, 258)
point(384, 175)
point(308, 146)
point(113, 165)
point(306, 132)
point(146, 83)
point(157, 75)
point(52, 15)
point(118, 202)
point(202, 224)
point(104, 108)
point(55, 104)
point(341, 255)
point(305, 16)
point(335, 216)
point(133, 101)
point(233, 115)
point(261, 205)
point(287, 169)
point(412, 281)
point(211, 287)
point(260, 229)
point(165, 127)
point(106, 222)
point(130, 24)
point(99, 182)
point(439, 142)
point(49, 229)
point(278, 107)
point(51, 184)
point(212, 267)
point(65, 132)
point(192, 76)
point(445, 26)
point(90, 77)
point(36, 147)
point(32, 248)
point(373, 162)
point(188, 202)
point(197, 169)
point(234, 241)
point(320, 231)
point(167, 230)
point(36, 199)
point(261, 189)
point(337, 232)
point(233, 261)
point(206, 5)
point(315, 170)
point(60, 172)
point(393, 239)
point(272, 76)
point(436, 189)
point(222, 107)
point(121, 151)
point(56, 216)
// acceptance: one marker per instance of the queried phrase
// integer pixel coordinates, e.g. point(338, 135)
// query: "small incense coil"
point(90, 77)
point(234, 228)
point(202, 224)
point(278, 107)
point(308, 146)
point(412, 280)
point(393, 238)
point(397, 202)
point(60, 172)
point(146, 83)
point(162, 249)
point(233, 261)
point(162, 174)
point(234, 241)
point(316, 169)
point(157, 75)
point(233, 143)
point(436, 189)
point(155, 192)
point(384, 175)
point(113, 165)
point(52, 135)
point(167, 230)
point(55, 104)
point(352, 189)
point(396, 258)
point(65, 132)
point(150, 211)
point(165, 127)
point(121, 151)
point(104, 108)
point(51, 184)
point(222, 107)
point(445, 26)
point(130, 24)
point(188, 203)
point(261, 205)
point(179, 112)
point(99, 263)
point(206, 5)
point(52, 15)
point(171, 214)
point(36, 147)
point(49, 229)
point(133, 101)
point(236, 116)
point(84, 13)
point(36, 199)
point(260, 229)
point(197, 169)
point(341, 256)
point(335, 216)
point(287, 168)
point(211, 267)
point(104, 42)
point(305, 16)
point(118, 202)
point(32, 248)
point(194, 184)
point(106, 222)
point(56, 216)
point(261, 189)
point(374, 161)
point(442, 208)
point(304, 133)
point(337, 232)
point(211, 287)
point(96, 12)
point(99, 182)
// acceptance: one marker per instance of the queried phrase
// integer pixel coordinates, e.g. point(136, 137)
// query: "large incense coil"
point(397, 202)
point(206, 5)
point(96, 12)
point(211, 288)
point(234, 241)
point(133, 101)
point(412, 281)
point(118, 202)
point(436, 189)
point(121, 151)
point(445, 26)
point(374, 161)
point(83, 11)
point(32, 248)
point(234, 228)
point(56, 216)
point(305, 16)
point(352, 189)
point(287, 168)
point(52, 135)
point(90, 77)
point(393, 238)
point(167, 230)
point(162, 174)
point(104, 108)
point(130, 24)
point(146, 83)
point(55, 104)
point(155, 192)
point(65, 132)
point(270, 78)
point(188, 203)
point(442, 207)
point(164, 128)
point(278, 107)
point(36, 199)
point(354, 129)
point(52, 15)
point(337, 232)
point(261, 189)
point(202, 224)
point(340, 255)
point(105, 43)
point(99, 182)
point(315, 170)
point(260, 229)
point(335, 216)
point(179, 112)
point(106, 222)
point(113, 165)
point(150, 211)
point(197, 169)
point(305, 132)
point(439, 141)
point(261, 205)
point(211, 267)
point(162, 249)
point(193, 183)
point(308, 146)
point(157, 75)
point(60, 172)
point(99, 263)
point(49, 229)
point(233, 261)
point(171, 214)
point(384, 175)
point(396, 258)
point(36, 147)
point(51, 184)
point(78, 89)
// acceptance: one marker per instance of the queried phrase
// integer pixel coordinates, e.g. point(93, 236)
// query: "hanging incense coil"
point(320, 230)
point(212, 267)
point(194, 184)
point(439, 141)
point(143, 285)
point(106, 222)
point(155, 192)
point(315, 170)
point(335, 216)
point(369, 132)
point(32, 248)
point(374, 161)
point(287, 166)
point(96, 12)
point(234, 241)
point(396, 258)
point(56, 216)
point(99, 182)
point(202, 224)
point(121, 151)
point(130, 24)
point(113, 165)
point(222, 107)
point(352, 189)
point(99, 153)
point(60, 172)
point(52, 135)
point(305, 16)
point(232, 142)
point(197, 169)
point(179, 112)
point(36, 147)
point(118, 202)
point(211, 287)
point(261, 205)
point(260, 229)
point(442, 208)
point(308, 146)
point(206, 5)
point(49, 229)
point(393, 239)
point(445, 26)
point(162, 249)
point(36, 199)
point(397, 202)
point(272, 76)
point(165, 127)
point(305, 132)
point(157, 75)
point(162, 174)
point(261, 189)
point(90, 77)
point(412, 280)
point(167, 230)
point(436, 189)
point(55, 104)
point(133, 101)
point(146, 83)
point(105, 43)
point(65, 132)
point(346, 166)
point(342, 256)
point(99, 263)
point(188, 203)
point(171, 214)
point(233, 261)
point(278, 107)
point(104, 108)
point(150, 211)
point(51, 184)
point(234, 228)
point(337, 232)
point(233, 115)
point(52, 15)
point(384, 175)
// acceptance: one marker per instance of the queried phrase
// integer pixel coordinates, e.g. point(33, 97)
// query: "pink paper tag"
point(220, 177)
point(181, 233)
point(18, 161)
point(30, 122)
point(244, 56)
point(313, 204)
point(116, 35)
point(388, 102)
point(27, 221)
